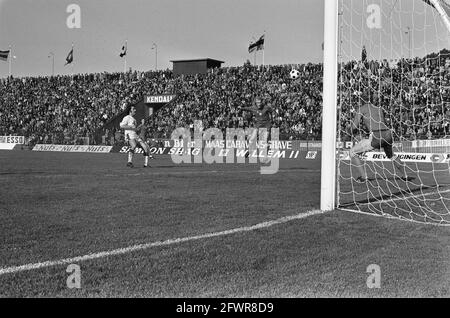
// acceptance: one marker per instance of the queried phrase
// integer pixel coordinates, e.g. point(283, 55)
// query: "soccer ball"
point(294, 74)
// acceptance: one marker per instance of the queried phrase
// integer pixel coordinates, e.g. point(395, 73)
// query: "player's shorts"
point(135, 137)
point(129, 135)
point(262, 131)
point(262, 127)
point(378, 139)
point(362, 146)
point(383, 139)
point(266, 125)
point(267, 134)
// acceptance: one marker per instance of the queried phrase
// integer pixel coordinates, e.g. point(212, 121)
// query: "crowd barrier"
point(73, 148)
point(10, 142)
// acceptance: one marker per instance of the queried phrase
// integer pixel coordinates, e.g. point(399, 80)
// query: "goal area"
point(393, 55)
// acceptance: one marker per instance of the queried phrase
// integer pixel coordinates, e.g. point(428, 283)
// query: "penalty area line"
point(141, 247)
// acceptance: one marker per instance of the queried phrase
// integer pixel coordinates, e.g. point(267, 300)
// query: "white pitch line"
point(140, 247)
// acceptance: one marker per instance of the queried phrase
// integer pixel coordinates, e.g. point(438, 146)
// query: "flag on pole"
point(258, 45)
point(4, 55)
point(69, 58)
point(124, 50)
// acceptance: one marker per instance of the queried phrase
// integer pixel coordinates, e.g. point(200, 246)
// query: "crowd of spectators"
point(216, 98)
point(415, 94)
point(64, 109)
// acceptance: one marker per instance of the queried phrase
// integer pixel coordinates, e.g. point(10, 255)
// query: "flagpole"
point(263, 56)
point(264, 45)
point(254, 54)
point(73, 59)
point(125, 59)
point(10, 60)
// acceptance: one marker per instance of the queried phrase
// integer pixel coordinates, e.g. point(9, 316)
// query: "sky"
point(182, 29)
point(185, 29)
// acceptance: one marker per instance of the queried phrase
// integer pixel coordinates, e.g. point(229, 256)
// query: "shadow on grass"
point(393, 195)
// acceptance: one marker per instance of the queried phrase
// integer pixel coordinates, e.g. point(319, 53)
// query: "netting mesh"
point(393, 54)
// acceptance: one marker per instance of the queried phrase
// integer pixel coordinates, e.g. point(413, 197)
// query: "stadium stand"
point(69, 110)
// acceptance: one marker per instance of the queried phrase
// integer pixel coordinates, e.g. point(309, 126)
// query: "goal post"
point(393, 55)
point(329, 127)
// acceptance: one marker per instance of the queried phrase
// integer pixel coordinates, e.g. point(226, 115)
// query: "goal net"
point(394, 54)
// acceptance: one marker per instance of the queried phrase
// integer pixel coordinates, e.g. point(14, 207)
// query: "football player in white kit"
point(129, 125)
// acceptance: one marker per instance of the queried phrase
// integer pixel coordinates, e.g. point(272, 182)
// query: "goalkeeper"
point(380, 137)
point(263, 119)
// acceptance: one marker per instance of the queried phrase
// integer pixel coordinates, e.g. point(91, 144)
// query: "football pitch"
point(199, 230)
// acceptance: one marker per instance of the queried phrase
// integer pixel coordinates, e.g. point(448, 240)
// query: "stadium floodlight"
point(413, 95)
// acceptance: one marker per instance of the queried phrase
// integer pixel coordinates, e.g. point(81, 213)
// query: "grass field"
point(199, 231)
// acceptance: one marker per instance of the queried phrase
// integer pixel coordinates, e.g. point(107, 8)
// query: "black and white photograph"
point(225, 155)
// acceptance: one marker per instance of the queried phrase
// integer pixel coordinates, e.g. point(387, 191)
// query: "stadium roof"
point(194, 60)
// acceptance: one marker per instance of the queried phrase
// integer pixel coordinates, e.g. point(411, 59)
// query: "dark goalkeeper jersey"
point(263, 117)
